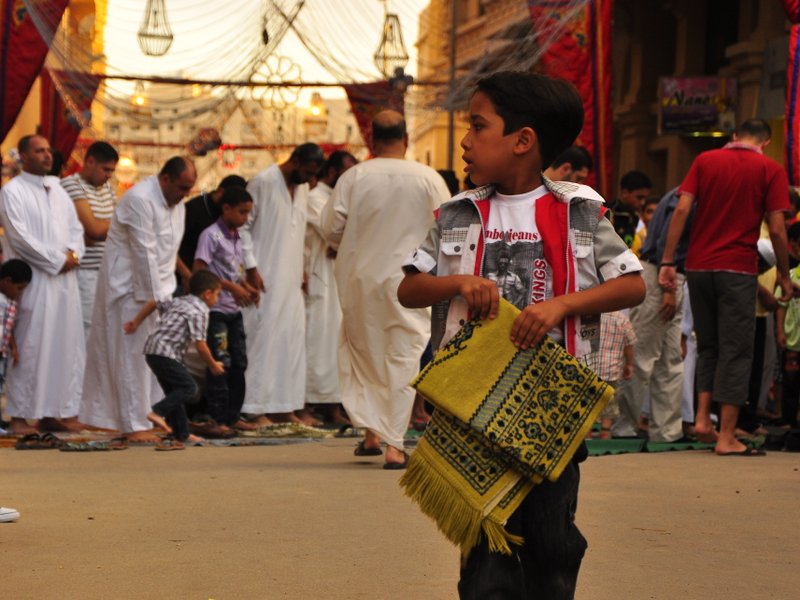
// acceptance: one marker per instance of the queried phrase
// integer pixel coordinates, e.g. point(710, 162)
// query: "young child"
point(519, 122)
point(183, 319)
point(219, 250)
point(614, 361)
point(15, 275)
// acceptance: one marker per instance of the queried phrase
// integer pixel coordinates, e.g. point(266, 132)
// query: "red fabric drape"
point(792, 121)
point(368, 99)
point(580, 52)
point(22, 53)
point(63, 117)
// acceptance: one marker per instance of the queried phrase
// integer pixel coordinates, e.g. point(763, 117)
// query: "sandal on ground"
point(170, 444)
point(35, 441)
point(395, 466)
point(362, 450)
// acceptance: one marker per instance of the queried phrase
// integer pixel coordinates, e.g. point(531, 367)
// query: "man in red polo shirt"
point(734, 189)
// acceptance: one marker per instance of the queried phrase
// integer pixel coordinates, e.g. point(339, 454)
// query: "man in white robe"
point(42, 229)
point(272, 242)
point(380, 211)
point(323, 313)
point(138, 265)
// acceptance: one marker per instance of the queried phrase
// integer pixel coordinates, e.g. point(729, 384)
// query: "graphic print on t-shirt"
point(514, 252)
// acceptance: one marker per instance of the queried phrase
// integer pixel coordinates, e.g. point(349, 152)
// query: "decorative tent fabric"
point(581, 54)
point(506, 419)
point(792, 122)
point(368, 99)
point(22, 53)
point(65, 109)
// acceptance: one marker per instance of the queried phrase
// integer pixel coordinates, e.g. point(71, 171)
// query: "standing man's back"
point(380, 210)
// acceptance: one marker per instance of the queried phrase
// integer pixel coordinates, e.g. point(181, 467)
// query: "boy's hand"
point(781, 339)
point(787, 288)
point(668, 306)
point(255, 296)
point(216, 368)
point(481, 295)
point(627, 371)
point(254, 279)
point(14, 355)
point(668, 278)
point(240, 295)
point(130, 327)
point(533, 323)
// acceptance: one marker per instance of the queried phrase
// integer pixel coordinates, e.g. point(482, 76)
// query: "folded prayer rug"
point(506, 419)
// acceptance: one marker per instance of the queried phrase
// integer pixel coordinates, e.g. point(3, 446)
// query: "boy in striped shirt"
point(183, 319)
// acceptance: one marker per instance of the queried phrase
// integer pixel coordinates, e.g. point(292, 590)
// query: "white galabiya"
point(40, 227)
point(138, 265)
point(379, 212)
point(272, 241)
point(323, 313)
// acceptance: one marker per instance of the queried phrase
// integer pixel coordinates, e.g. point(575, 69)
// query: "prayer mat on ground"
point(506, 419)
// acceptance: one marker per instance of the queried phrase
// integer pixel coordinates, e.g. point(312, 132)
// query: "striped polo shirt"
point(101, 202)
point(183, 320)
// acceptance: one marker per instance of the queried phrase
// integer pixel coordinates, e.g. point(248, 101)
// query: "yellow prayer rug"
point(506, 419)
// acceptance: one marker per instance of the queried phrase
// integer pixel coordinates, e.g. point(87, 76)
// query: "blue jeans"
point(179, 389)
point(227, 342)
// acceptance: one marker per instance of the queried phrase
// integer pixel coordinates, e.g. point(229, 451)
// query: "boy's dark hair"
point(577, 156)
point(102, 152)
point(635, 180)
point(551, 107)
point(308, 153)
point(391, 133)
point(232, 181)
point(793, 233)
point(756, 128)
point(234, 196)
point(175, 167)
point(17, 270)
point(202, 281)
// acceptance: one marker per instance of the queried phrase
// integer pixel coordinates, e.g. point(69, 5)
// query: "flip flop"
point(393, 466)
point(35, 441)
point(749, 451)
point(170, 444)
point(362, 450)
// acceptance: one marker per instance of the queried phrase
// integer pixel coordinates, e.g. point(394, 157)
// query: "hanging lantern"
point(391, 53)
point(155, 35)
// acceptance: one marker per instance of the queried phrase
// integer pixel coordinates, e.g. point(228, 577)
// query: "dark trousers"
point(227, 342)
point(546, 566)
point(179, 389)
point(791, 387)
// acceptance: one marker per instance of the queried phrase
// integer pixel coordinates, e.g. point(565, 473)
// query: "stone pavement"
point(309, 520)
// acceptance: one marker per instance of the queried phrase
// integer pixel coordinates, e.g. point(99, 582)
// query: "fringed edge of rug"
point(460, 523)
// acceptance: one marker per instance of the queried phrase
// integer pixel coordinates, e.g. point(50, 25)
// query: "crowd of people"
point(307, 288)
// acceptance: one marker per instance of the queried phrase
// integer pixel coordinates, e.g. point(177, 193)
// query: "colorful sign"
point(697, 105)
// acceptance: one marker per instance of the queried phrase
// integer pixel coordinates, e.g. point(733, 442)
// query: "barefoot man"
point(139, 265)
point(42, 229)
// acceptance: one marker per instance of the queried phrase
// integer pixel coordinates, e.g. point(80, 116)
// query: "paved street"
point(310, 521)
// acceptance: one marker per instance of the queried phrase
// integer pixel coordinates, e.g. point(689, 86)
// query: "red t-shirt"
point(734, 188)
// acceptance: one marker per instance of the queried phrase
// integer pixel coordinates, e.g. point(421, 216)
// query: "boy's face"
point(648, 212)
point(12, 290)
point(236, 216)
point(211, 297)
point(487, 151)
point(634, 198)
